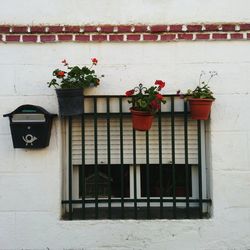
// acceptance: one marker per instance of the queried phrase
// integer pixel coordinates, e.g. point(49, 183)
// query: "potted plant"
point(69, 86)
point(145, 103)
point(201, 98)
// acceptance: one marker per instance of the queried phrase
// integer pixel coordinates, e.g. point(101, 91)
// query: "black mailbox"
point(30, 126)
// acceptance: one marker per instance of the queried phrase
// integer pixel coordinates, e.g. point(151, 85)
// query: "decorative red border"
point(124, 33)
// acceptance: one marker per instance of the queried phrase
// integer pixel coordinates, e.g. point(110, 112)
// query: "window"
point(114, 172)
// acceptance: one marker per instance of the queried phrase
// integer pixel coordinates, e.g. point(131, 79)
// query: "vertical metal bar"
point(70, 167)
point(186, 157)
point(96, 157)
point(121, 156)
point(160, 162)
point(147, 175)
point(83, 162)
point(173, 155)
point(199, 168)
point(134, 170)
point(109, 155)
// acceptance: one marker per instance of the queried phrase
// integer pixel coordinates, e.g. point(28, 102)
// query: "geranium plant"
point(147, 99)
point(145, 102)
point(201, 98)
point(201, 91)
point(75, 76)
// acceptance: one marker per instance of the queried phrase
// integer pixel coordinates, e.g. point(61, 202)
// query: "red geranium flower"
point(130, 92)
point(94, 61)
point(155, 104)
point(160, 83)
point(60, 74)
point(159, 96)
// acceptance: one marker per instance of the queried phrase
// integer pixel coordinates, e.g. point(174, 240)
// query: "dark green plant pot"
point(70, 101)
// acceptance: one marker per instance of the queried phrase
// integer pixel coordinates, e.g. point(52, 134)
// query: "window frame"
point(203, 200)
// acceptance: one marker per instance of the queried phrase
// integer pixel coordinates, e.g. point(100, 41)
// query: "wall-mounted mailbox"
point(30, 126)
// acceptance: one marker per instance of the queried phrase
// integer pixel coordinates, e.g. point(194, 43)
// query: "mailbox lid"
point(29, 113)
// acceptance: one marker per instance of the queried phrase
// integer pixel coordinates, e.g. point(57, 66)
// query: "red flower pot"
point(200, 108)
point(141, 120)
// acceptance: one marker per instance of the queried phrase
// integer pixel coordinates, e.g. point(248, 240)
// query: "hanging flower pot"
point(70, 101)
point(70, 85)
point(201, 98)
point(141, 120)
point(145, 103)
point(200, 108)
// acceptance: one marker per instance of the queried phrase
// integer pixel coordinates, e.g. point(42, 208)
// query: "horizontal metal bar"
point(117, 114)
point(137, 200)
point(121, 96)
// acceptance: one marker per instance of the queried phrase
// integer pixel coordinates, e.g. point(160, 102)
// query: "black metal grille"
point(98, 201)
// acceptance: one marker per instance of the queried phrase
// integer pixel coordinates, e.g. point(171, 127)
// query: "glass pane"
point(103, 181)
point(167, 183)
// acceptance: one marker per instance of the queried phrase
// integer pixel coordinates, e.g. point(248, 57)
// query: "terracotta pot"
point(200, 108)
point(141, 120)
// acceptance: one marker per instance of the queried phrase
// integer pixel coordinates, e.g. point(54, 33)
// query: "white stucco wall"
point(30, 181)
point(123, 11)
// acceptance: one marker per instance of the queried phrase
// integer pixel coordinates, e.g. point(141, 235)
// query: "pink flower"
point(65, 62)
point(130, 92)
point(94, 61)
point(178, 93)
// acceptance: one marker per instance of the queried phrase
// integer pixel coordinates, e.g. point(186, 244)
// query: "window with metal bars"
point(115, 172)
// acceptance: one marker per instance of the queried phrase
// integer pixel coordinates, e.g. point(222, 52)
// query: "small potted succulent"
point(201, 98)
point(145, 103)
point(69, 85)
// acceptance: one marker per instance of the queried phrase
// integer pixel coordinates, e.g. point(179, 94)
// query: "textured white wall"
point(123, 11)
point(30, 181)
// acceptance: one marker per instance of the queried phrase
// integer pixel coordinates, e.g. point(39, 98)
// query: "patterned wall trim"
point(124, 33)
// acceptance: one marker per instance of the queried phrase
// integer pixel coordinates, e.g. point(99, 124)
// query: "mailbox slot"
point(28, 118)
